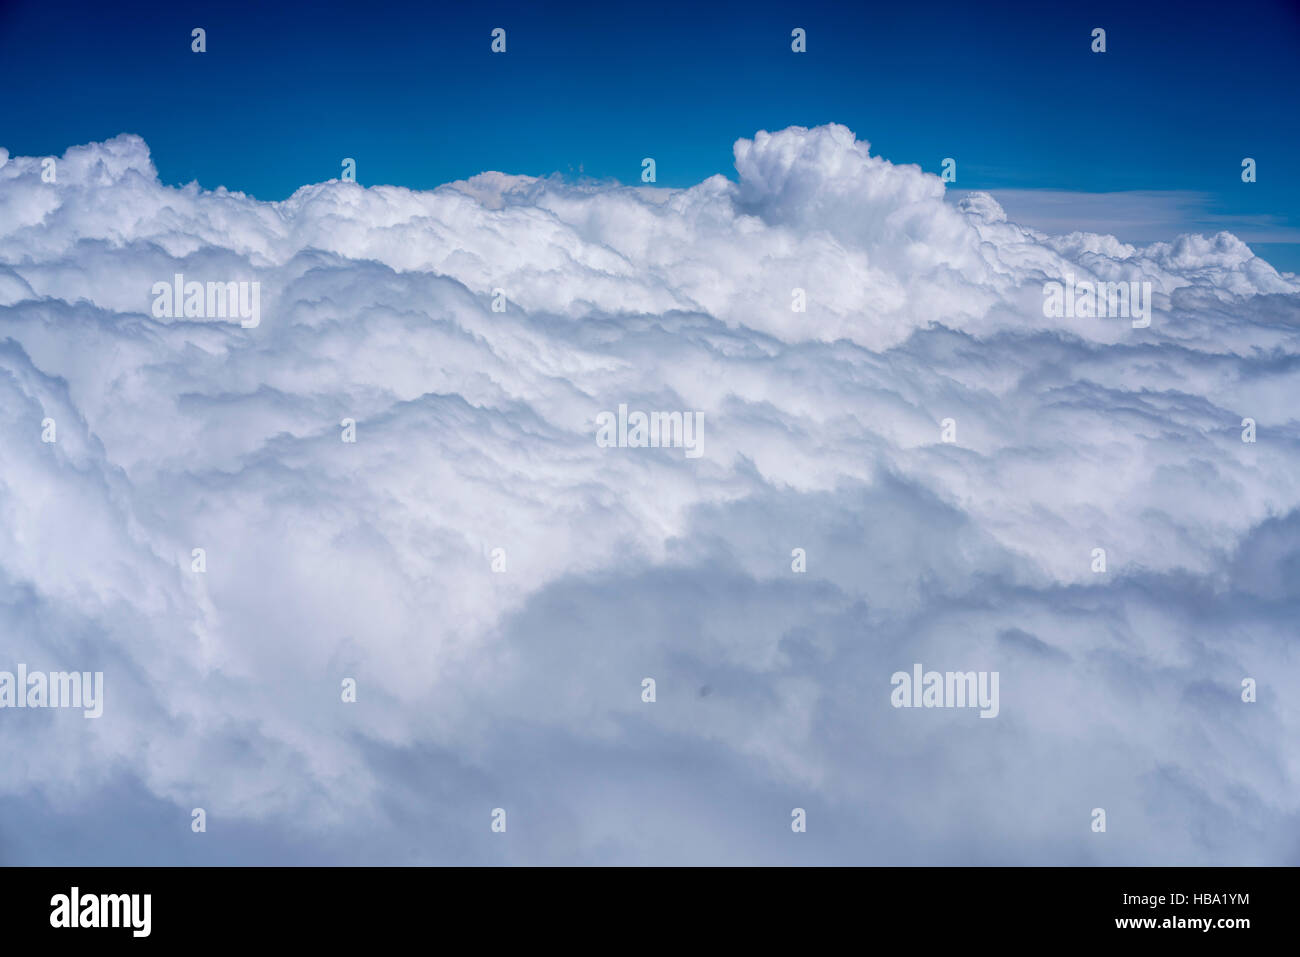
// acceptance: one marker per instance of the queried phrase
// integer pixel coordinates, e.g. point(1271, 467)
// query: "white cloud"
point(476, 430)
point(1139, 215)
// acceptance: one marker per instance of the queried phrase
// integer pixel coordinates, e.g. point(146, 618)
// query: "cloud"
point(476, 431)
point(1137, 215)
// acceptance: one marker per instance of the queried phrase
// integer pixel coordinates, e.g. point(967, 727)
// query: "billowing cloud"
point(476, 431)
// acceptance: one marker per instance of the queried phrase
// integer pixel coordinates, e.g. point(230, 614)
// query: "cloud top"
point(476, 431)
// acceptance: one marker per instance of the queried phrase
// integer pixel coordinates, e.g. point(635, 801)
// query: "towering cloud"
point(498, 583)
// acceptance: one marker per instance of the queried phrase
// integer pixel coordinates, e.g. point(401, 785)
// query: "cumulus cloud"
point(476, 431)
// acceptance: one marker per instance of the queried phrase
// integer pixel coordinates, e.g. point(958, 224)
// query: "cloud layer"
point(476, 431)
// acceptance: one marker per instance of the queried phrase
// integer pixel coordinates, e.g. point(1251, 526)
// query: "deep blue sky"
point(411, 90)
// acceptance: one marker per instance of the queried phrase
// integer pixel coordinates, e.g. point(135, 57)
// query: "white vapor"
point(476, 430)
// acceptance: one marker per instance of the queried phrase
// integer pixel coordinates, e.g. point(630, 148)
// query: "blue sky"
point(412, 92)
